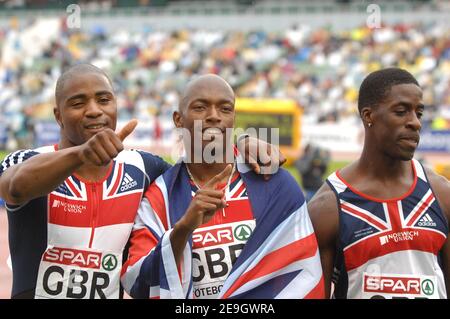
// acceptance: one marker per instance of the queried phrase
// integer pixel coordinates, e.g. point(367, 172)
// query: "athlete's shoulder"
point(285, 176)
point(148, 156)
point(344, 178)
point(20, 156)
point(45, 149)
point(134, 157)
point(347, 172)
point(323, 210)
point(152, 165)
point(441, 188)
point(434, 177)
point(324, 201)
point(285, 186)
point(27, 153)
point(324, 205)
point(128, 157)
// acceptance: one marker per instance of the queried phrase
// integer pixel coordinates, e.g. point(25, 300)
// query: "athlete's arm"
point(441, 188)
point(323, 212)
point(37, 176)
point(42, 173)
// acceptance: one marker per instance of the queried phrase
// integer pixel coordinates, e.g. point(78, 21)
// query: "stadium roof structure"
point(269, 15)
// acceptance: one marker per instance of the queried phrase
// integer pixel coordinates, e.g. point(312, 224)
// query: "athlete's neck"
point(376, 165)
point(203, 172)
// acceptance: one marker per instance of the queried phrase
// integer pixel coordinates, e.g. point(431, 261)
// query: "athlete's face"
point(210, 101)
point(396, 122)
point(87, 106)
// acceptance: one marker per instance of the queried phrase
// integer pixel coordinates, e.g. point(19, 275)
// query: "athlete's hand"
point(205, 203)
point(101, 148)
point(262, 157)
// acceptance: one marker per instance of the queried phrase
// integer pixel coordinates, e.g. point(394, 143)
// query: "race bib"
point(215, 249)
point(78, 274)
point(388, 286)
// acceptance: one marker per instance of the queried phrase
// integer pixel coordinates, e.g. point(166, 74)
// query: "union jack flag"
point(72, 189)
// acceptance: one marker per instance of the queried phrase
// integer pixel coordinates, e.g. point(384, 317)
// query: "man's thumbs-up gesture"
point(101, 148)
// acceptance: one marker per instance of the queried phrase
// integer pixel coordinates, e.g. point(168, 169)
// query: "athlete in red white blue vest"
point(387, 237)
point(71, 210)
point(81, 228)
point(260, 244)
point(397, 239)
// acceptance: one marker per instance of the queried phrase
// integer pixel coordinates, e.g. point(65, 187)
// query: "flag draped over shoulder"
point(280, 259)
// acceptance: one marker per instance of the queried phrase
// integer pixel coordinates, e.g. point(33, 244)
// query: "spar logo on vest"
point(78, 274)
point(220, 235)
point(109, 262)
point(387, 286)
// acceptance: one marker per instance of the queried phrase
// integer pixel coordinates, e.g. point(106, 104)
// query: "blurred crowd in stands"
point(320, 68)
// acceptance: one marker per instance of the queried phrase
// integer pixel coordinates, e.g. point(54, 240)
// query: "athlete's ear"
point(57, 114)
point(177, 119)
point(367, 116)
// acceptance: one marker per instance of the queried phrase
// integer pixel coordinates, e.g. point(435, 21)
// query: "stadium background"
point(316, 53)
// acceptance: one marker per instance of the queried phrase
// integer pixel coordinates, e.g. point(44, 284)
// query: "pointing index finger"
point(216, 179)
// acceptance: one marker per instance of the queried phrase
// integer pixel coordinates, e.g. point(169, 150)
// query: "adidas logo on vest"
point(426, 220)
point(127, 183)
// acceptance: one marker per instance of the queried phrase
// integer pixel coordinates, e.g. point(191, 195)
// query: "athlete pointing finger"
point(209, 230)
point(75, 202)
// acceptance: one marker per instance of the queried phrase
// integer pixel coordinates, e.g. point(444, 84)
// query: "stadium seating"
point(321, 68)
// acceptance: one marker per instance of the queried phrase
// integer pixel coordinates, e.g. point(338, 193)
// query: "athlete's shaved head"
point(202, 82)
point(75, 70)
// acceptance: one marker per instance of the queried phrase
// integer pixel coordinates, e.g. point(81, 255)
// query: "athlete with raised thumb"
point(22, 183)
point(71, 206)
